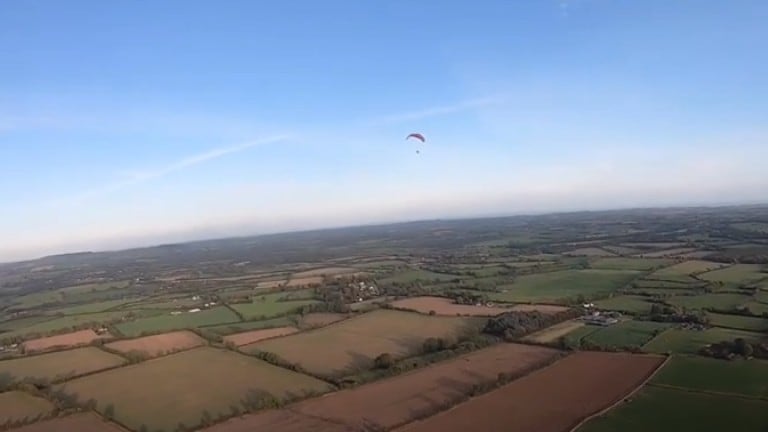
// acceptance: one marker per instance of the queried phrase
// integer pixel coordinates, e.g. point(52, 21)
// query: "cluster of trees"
point(512, 325)
point(666, 313)
point(739, 310)
point(467, 298)
point(738, 347)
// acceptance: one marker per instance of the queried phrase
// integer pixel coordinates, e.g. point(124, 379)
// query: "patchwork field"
point(552, 399)
point(737, 274)
point(351, 345)
point(739, 377)
point(444, 306)
point(412, 275)
point(270, 305)
point(684, 270)
point(718, 301)
point(320, 319)
point(209, 379)
point(67, 322)
point(160, 344)
point(739, 322)
point(618, 263)
point(84, 422)
point(591, 252)
point(670, 410)
point(625, 334)
point(552, 334)
point(82, 337)
point(252, 336)
point(636, 305)
point(239, 327)
point(16, 405)
point(691, 341)
point(61, 364)
point(166, 322)
point(563, 286)
point(395, 401)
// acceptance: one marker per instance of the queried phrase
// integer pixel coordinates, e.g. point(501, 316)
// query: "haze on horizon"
point(136, 123)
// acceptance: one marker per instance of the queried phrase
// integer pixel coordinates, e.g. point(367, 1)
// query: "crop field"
point(736, 377)
point(667, 253)
point(239, 327)
point(395, 401)
point(626, 334)
point(684, 270)
point(412, 275)
point(270, 305)
point(82, 337)
point(363, 338)
point(636, 305)
point(320, 319)
point(553, 333)
point(691, 341)
point(444, 306)
point(560, 286)
point(160, 344)
point(90, 307)
point(590, 252)
point(324, 271)
point(670, 410)
point(60, 364)
point(552, 399)
point(20, 323)
point(537, 307)
point(210, 379)
point(621, 250)
point(16, 405)
point(165, 322)
point(715, 300)
point(737, 274)
point(618, 263)
point(66, 322)
point(738, 322)
point(252, 336)
point(83, 422)
point(166, 303)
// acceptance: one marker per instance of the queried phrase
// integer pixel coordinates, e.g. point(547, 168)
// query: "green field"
point(179, 388)
point(738, 322)
point(89, 307)
point(757, 307)
point(574, 338)
point(93, 287)
point(691, 341)
point(625, 304)
point(625, 334)
point(667, 410)
point(742, 377)
point(682, 271)
point(718, 301)
point(736, 274)
point(270, 305)
point(67, 322)
point(563, 286)
point(413, 275)
point(617, 263)
point(227, 329)
point(60, 364)
point(20, 323)
point(16, 405)
point(165, 322)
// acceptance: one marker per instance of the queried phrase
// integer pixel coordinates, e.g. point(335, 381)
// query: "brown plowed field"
point(157, 345)
point(252, 336)
point(82, 337)
point(321, 319)
point(444, 306)
point(553, 399)
point(87, 422)
point(401, 399)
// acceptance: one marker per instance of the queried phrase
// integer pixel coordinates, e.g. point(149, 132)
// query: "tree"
point(383, 361)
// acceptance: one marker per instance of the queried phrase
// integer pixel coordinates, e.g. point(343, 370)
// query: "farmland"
point(252, 336)
point(562, 286)
point(444, 306)
point(738, 322)
point(166, 322)
point(684, 270)
point(270, 305)
point(551, 334)
point(625, 334)
point(16, 405)
point(551, 399)
point(221, 379)
point(712, 375)
point(153, 346)
point(690, 342)
point(396, 401)
point(66, 340)
point(619, 263)
point(365, 337)
point(737, 274)
point(625, 304)
point(718, 301)
point(60, 364)
point(86, 422)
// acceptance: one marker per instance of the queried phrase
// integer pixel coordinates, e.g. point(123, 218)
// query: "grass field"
point(165, 322)
point(618, 263)
point(413, 275)
point(668, 410)
point(67, 322)
point(194, 381)
point(757, 307)
point(553, 333)
point(742, 377)
point(626, 304)
point(81, 422)
point(226, 329)
point(574, 337)
point(739, 322)
point(690, 341)
point(20, 323)
point(719, 301)
point(351, 345)
point(270, 305)
point(60, 364)
point(736, 274)
point(16, 405)
point(90, 307)
point(626, 334)
point(563, 286)
point(682, 271)
point(591, 252)
point(156, 345)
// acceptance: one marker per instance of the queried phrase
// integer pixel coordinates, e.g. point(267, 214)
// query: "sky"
point(139, 122)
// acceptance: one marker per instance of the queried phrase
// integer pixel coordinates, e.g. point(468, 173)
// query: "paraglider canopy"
point(418, 136)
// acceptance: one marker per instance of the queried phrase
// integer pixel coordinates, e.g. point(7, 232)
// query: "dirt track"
point(553, 399)
point(398, 400)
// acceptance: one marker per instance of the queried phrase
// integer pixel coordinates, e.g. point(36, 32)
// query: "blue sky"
point(131, 123)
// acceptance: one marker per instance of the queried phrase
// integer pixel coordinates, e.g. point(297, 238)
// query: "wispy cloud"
point(135, 178)
point(466, 105)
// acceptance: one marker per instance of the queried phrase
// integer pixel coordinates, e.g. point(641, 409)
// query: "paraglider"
point(417, 136)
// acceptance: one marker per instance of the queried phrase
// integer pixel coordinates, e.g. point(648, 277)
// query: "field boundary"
point(623, 398)
point(709, 392)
